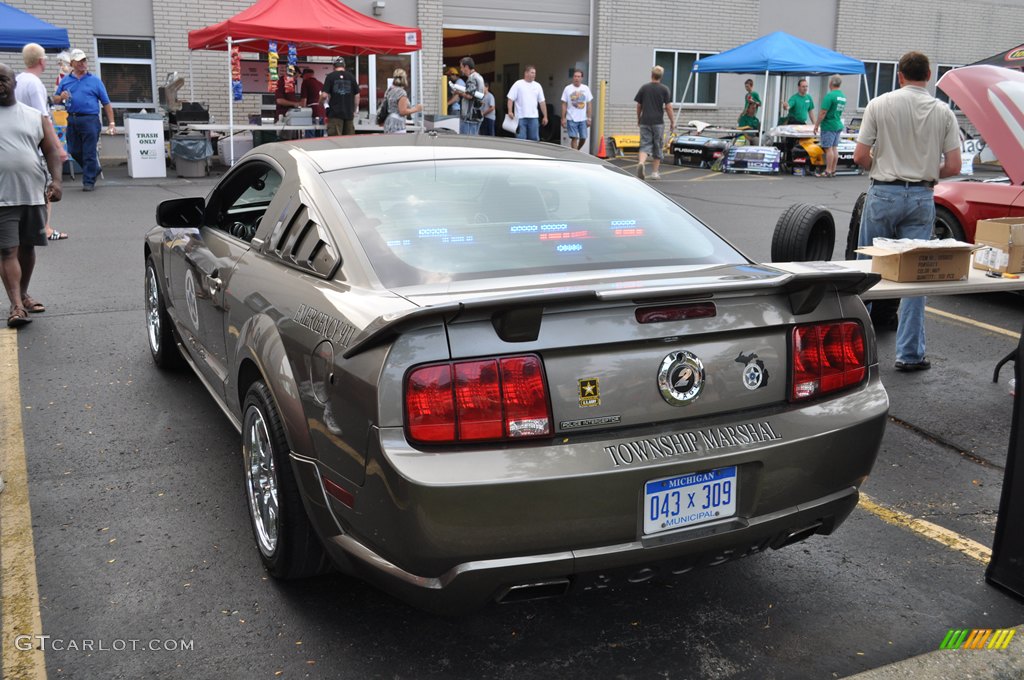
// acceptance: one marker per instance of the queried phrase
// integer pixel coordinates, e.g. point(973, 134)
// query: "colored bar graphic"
point(1002, 638)
point(954, 638)
point(977, 638)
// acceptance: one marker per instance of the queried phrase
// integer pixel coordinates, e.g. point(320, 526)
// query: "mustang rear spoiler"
point(517, 318)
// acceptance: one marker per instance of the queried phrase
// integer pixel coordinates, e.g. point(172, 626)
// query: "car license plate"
point(685, 500)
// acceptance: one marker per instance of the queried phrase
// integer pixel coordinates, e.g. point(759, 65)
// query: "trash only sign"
point(146, 151)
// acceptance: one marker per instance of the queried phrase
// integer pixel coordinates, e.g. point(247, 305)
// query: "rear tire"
point(884, 313)
point(287, 543)
point(853, 235)
point(804, 233)
point(947, 225)
point(162, 344)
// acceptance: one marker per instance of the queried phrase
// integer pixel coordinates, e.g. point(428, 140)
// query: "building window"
point(703, 89)
point(127, 69)
point(880, 77)
point(939, 94)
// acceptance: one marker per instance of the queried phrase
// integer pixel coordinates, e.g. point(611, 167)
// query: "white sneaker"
point(640, 171)
point(655, 175)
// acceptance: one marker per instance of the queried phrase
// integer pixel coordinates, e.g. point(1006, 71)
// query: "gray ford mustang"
point(472, 370)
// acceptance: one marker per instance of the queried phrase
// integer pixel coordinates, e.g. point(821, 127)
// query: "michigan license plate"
point(690, 499)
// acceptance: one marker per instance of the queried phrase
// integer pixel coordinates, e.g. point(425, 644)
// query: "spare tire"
point(804, 233)
point(853, 235)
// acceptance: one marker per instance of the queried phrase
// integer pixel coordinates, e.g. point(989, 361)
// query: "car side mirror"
point(178, 213)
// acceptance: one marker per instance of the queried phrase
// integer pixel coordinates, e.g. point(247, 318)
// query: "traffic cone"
point(601, 153)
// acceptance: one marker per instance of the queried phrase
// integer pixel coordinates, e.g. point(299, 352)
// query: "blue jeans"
point(487, 127)
point(469, 128)
point(529, 128)
point(577, 129)
point(83, 134)
point(901, 212)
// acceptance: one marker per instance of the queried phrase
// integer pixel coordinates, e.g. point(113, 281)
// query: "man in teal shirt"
point(830, 120)
point(800, 105)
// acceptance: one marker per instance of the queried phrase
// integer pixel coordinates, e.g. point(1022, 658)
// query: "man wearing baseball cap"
point(341, 92)
point(82, 94)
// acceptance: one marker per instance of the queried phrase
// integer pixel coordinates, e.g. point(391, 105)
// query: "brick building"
point(134, 44)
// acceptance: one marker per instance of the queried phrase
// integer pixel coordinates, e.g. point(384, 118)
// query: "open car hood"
point(993, 99)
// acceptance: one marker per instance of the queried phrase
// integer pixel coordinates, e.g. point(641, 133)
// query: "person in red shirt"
point(289, 93)
point(311, 88)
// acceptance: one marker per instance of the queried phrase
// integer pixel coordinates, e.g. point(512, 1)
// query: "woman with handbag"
point(397, 101)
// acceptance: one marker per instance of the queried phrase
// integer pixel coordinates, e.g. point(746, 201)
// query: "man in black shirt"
point(653, 101)
point(341, 92)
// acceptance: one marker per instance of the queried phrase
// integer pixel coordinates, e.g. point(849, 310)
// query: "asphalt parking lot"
point(139, 529)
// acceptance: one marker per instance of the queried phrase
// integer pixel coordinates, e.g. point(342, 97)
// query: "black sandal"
point(18, 317)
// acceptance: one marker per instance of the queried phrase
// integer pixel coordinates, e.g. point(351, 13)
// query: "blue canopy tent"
point(777, 53)
point(19, 28)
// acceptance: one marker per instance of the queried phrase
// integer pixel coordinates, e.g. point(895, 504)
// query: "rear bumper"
point(470, 585)
point(452, 530)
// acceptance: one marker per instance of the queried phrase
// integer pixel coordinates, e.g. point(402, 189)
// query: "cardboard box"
point(1003, 241)
point(923, 263)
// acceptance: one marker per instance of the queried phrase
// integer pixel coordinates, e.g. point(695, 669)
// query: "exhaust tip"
point(527, 592)
point(798, 535)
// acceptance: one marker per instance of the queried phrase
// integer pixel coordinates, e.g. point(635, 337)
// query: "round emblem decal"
point(753, 375)
point(190, 299)
point(681, 378)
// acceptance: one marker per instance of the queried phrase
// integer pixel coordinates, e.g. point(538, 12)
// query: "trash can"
point(145, 138)
point(191, 154)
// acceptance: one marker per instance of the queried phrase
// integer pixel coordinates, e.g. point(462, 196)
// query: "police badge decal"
point(755, 375)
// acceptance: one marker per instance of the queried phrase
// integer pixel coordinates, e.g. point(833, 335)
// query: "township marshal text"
point(691, 441)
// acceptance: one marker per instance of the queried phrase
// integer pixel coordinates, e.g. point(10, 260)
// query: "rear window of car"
point(451, 220)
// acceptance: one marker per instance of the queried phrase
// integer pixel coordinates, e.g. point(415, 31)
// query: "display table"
point(260, 132)
point(977, 281)
point(362, 126)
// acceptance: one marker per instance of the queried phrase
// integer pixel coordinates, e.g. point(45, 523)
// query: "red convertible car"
point(993, 99)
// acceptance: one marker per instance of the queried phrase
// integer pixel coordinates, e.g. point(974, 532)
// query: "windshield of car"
point(452, 220)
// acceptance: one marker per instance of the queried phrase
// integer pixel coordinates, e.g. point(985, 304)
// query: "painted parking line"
point(19, 591)
point(735, 177)
point(948, 538)
point(972, 322)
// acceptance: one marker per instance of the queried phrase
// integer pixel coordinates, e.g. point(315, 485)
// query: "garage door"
point(567, 17)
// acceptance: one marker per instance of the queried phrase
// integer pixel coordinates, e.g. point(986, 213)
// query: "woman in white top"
point(398, 103)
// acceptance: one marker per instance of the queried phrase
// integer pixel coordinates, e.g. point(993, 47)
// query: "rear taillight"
point(479, 400)
point(826, 357)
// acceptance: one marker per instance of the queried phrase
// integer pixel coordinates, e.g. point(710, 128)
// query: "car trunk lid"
point(665, 349)
point(993, 99)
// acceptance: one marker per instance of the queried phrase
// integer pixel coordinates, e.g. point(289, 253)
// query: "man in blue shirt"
point(82, 94)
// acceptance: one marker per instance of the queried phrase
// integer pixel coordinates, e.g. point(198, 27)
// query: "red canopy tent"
point(315, 27)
